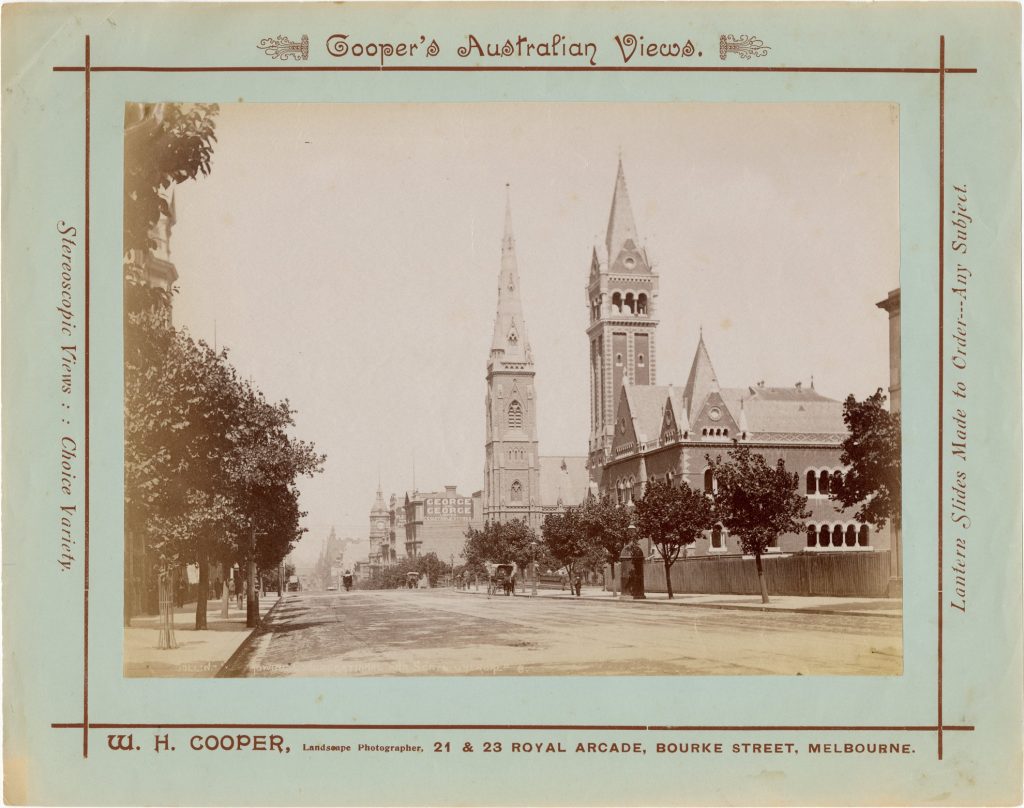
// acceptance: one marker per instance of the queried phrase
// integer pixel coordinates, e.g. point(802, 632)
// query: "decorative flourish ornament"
point(281, 47)
point(745, 46)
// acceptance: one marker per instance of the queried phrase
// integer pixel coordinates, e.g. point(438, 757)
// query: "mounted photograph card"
point(511, 404)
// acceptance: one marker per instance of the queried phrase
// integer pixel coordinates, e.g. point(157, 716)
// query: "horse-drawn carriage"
point(501, 578)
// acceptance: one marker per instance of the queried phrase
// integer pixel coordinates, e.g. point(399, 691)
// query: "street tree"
point(180, 411)
point(872, 455)
point(566, 540)
point(606, 525)
point(757, 502)
point(673, 517)
point(207, 459)
point(501, 543)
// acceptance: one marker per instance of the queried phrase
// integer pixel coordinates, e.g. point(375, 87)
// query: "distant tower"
point(512, 467)
point(379, 517)
point(621, 293)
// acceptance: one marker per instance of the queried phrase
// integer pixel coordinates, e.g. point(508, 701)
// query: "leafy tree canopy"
point(673, 517)
point(755, 501)
point(872, 454)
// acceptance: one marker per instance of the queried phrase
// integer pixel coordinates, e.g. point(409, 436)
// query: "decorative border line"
point(87, 69)
point(532, 727)
point(942, 312)
point(502, 69)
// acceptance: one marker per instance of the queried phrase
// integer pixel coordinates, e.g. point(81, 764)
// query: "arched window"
point(617, 302)
point(618, 359)
point(630, 304)
point(618, 492)
point(851, 535)
point(823, 483)
point(837, 536)
point(812, 482)
point(640, 360)
point(641, 304)
point(836, 481)
point(823, 536)
point(515, 415)
point(863, 538)
point(633, 492)
point(517, 491)
point(812, 535)
point(709, 481)
point(716, 537)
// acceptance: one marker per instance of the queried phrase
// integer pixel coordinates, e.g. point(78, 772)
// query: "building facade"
point(437, 521)
point(518, 482)
point(642, 432)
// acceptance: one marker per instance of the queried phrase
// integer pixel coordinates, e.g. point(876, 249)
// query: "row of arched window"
point(629, 303)
point(838, 536)
point(622, 303)
point(716, 432)
point(820, 482)
point(626, 491)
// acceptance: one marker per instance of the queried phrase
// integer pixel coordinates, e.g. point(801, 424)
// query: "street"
point(443, 632)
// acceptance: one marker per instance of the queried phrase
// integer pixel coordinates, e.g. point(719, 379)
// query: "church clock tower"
point(380, 550)
point(621, 293)
point(512, 467)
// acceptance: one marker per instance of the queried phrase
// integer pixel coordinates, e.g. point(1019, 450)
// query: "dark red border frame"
point(87, 69)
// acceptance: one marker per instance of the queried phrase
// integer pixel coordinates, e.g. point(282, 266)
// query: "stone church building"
point(518, 482)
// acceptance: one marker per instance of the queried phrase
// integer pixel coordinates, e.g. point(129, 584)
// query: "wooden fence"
point(856, 574)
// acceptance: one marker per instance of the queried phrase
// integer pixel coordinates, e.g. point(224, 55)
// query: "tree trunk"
point(204, 582)
point(760, 578)
point(668, 576)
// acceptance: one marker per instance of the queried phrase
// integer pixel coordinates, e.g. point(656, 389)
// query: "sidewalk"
point(872, 607)
point(199, 653)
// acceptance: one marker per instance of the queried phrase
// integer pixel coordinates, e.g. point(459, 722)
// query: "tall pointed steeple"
point(512, 461)
point(702, 380)
point(621, 225)
point(509, 341)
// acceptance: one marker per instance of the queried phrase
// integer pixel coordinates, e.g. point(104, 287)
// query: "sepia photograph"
point(512, 389)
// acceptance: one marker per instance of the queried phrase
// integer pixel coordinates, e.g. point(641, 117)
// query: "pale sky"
point(349, 255)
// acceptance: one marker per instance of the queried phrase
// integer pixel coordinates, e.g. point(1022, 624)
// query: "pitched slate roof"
point(791, 410)
point(647, 407)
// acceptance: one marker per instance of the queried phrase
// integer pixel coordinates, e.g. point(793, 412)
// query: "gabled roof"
point(675, 418)
point(645, 407)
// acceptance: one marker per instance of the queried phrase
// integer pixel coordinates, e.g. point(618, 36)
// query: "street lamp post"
point(533, 571)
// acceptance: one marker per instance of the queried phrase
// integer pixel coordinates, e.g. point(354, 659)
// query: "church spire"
point(509, 324)
point(621, 225)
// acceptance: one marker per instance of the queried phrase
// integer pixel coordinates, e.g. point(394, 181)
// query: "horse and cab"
point(501, 578)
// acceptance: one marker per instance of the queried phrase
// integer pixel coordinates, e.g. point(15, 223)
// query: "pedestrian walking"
point(578, 584)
